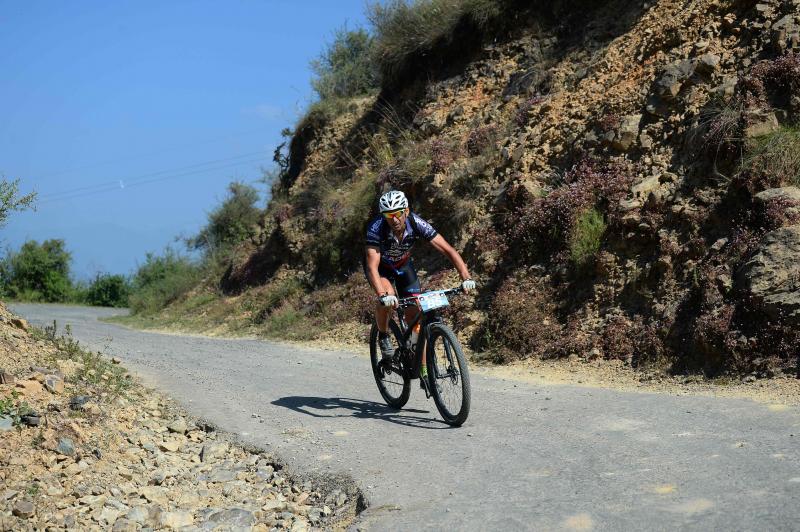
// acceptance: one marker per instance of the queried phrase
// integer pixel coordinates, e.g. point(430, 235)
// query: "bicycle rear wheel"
point(393, 384)
point(448, 375)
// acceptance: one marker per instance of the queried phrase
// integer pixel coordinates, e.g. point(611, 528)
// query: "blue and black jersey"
point(394, 252)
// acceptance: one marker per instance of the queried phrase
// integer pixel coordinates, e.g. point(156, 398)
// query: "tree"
point(38, 272)
point(108, 290)
point(344, 68)
point(10, 200)
point(231, 222)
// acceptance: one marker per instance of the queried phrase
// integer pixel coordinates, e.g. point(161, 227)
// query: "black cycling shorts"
point(404, 278)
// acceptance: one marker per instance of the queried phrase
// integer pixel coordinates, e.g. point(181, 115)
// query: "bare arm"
point(443, 247)
point(373, 260)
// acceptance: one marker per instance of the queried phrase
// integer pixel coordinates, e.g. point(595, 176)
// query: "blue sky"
point(129, 119)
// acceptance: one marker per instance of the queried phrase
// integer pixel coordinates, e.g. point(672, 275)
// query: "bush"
point(720, 131)
point(540, 227)
point(162, 280)
point(108, 290)
point(277, 293)
point(11, 201)
point(521, 321)
point(586, 237)
point(344, 69)
point(404, 31)
point(772, 81)
point(38, 272)
point(772, 160)
point(230, 223)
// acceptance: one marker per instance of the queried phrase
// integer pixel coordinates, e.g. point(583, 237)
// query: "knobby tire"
point(443, 387)
point(393, 397)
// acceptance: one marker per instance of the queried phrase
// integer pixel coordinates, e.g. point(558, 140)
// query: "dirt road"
point(530, 457)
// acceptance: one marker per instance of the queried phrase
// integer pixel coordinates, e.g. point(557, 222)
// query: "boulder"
point(772, 276)
point(627, 133)
point(175, 520)
point(643, 189)
point(232, 518)
point(211, 451)
point(791, 194)
point(178, 426)
point(784, 33)
point(761, 123)
point(669, 84)
point(24, 509)
point(19, 323)
point(54, 384)
point(66, 447)
point(707, 63)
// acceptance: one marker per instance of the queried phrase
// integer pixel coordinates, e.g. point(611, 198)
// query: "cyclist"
point(390, 237)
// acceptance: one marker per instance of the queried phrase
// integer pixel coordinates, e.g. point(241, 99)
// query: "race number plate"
point(432, 300)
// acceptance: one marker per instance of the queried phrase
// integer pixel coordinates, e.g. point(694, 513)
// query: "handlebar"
point(412, 300)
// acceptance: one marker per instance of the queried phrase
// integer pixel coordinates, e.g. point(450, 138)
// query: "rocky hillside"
point(85, 447)
point(622, 177)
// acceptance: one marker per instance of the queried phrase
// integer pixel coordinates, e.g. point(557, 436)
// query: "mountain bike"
point(448, 375)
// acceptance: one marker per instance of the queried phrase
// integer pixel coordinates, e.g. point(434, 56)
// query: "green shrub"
point(162, 280)
point(406, 30)
point(773, 159)
point(230, 223)
point(38, 272)
point(11, 201)
point(587, 235)
point(108, 290)
point(277, 294)
point(344, 69)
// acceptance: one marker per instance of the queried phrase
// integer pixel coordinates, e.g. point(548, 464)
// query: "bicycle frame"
point(414, 357)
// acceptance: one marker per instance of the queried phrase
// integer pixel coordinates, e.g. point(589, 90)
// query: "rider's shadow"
point(331, 407)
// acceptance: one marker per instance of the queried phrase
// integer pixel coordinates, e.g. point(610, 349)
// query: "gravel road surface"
point(530, 457)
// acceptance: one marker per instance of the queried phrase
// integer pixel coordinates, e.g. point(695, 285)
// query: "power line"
point(121, 184)
point(146, 154)
point(145, 178)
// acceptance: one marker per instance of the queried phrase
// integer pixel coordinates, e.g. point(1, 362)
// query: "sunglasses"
point(394, 214)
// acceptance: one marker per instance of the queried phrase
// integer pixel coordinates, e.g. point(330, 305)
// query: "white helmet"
point(392, 201)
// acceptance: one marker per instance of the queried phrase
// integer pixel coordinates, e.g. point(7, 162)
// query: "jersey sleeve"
point(374, 233)
point(426, 230)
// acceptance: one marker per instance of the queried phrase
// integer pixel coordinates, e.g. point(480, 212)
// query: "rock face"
point(772, 276)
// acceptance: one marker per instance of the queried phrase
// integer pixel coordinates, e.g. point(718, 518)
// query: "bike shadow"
point(327, 407)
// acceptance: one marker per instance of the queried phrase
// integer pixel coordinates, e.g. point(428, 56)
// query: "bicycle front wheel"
point(448, 374)
point(393, 384)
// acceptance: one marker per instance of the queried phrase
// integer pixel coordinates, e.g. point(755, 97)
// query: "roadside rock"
point(760, 124)
point(233, 518)
point(20, 323)
point(673, 77)
point(772, 276)
point(54, 384)
point(123, 525)
point(627, 133)
point(175, 520)
point(212, 451)
point(24, 509)
point(66, 447)
point(178, 426)
point(791, 194)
